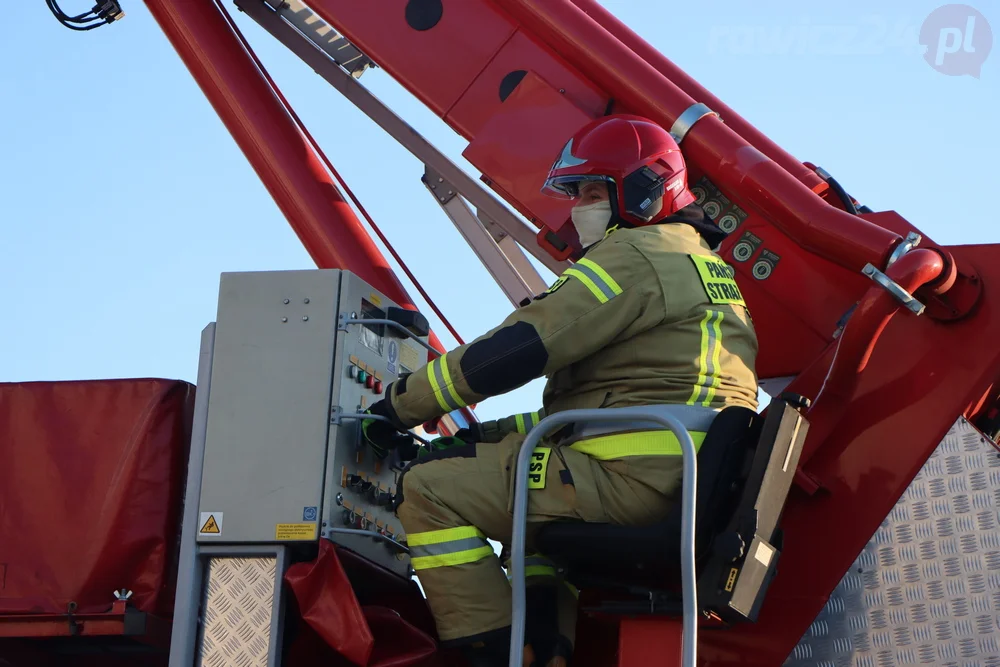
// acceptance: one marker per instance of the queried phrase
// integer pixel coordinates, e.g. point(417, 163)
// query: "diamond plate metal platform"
point(926, 588)
point(238, 610)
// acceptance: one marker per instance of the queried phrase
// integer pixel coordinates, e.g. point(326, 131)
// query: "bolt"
point(305, 318)
point(562, 90)
point(305, 300)
point(441, 198)
point(284, 319)
point(440, 180)
point(285, 302)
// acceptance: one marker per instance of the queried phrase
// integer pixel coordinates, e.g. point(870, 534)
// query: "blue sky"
point(123, 197)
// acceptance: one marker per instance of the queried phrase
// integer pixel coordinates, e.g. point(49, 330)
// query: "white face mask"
point(591, 221)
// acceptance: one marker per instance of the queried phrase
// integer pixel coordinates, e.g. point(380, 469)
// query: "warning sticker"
point(746, 246)
point(764, 266)
point(210, 523)
point(295, 531)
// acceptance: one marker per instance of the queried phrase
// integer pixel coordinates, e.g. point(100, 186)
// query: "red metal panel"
point(437, 64)
point(90, 488)
point(515, 148)
point(521, 54)
point(650, 641)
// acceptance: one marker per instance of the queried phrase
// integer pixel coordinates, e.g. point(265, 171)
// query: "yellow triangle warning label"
point(211, 523)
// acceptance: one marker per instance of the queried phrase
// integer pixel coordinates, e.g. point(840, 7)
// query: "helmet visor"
point(568, 186)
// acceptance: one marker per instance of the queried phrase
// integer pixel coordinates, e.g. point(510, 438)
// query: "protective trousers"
point(454, 500)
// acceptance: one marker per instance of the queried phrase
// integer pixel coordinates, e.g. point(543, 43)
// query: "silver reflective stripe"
point(693, 417)
point(598, 280)
point(442, 548)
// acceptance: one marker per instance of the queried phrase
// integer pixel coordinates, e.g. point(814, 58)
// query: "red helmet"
point(638, 158)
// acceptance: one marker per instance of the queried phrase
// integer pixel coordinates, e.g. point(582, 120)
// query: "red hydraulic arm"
point(284, 160)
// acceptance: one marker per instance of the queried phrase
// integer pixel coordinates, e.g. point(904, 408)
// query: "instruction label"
point(409, 356)
point(210, 523)
point(392, 357)
point(295, 531)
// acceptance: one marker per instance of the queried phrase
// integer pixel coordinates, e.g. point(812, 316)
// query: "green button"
point(362, 376)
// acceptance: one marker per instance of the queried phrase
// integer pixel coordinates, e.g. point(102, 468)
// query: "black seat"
point(745, 469)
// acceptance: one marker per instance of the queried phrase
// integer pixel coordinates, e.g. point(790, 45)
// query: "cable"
point(336, 175)
point(841, 193)
point(102, 13)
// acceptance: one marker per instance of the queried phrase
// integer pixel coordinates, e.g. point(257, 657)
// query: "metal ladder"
point(688, 499)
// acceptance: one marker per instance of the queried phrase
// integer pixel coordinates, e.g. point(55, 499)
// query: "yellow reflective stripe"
point(602, 274)
point(716, 343)
point(448, 546)
point(702, 360)
point(443, 535)
point(435, 386)
point(519, 422)
point(533, 416)
point(539, 571)
point(585, 279)
point(596, 279)
point(448, 385)
point(440, 380)
point(643, 443)
point(457, 558)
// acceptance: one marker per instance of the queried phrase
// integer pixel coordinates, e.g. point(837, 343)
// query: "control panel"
point(298, 357)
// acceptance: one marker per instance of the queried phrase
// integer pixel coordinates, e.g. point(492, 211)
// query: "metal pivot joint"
point(686, 120)
point(904, 297)
point(911, 241)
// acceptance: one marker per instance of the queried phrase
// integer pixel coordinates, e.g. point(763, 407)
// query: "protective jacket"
point(649, 315)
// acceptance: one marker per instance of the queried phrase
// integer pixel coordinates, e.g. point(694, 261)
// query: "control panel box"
point(284, 460)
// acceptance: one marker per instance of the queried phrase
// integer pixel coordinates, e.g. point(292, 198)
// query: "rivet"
point(305, 318)
point(440, 180)
point(285, 302)
point(284, 319)
point(562, 90)
point(305, 300)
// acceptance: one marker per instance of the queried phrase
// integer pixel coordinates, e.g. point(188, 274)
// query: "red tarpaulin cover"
point(369, 616)
point(91, 477)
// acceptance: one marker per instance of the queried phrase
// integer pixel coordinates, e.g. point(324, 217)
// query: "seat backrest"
point(722, 462)
point(732, 584)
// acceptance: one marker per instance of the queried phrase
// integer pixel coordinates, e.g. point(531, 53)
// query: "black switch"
point(411, 320)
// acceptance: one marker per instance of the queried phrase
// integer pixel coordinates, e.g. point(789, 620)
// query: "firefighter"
point(648, 315)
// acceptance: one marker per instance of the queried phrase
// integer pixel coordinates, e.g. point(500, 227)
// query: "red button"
point(370, 381)
point(378, 386)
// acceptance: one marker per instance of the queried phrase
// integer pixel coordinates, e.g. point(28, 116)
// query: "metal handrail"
point(688, 503)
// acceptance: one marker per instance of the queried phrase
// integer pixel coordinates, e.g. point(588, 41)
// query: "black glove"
point(380, 435)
